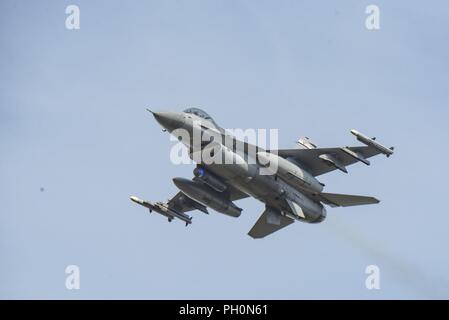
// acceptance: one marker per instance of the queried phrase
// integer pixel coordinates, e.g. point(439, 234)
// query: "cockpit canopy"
point(202, 114)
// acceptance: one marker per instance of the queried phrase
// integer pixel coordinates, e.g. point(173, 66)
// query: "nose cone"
point(169, 120)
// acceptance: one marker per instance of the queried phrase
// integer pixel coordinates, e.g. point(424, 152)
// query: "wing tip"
point(255, 236)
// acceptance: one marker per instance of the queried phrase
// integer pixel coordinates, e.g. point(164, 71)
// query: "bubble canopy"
point(200, 113)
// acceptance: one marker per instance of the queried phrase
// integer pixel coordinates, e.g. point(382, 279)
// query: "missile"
point(141, 202)
point(163, 209)
point(371, 143)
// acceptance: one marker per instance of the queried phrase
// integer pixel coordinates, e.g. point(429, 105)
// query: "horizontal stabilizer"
point(346, 200)
point(270, 221)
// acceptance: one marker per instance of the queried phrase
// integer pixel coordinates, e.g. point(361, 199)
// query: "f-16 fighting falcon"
point(285, 180)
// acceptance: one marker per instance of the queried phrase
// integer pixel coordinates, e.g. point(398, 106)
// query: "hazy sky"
point(76, 142)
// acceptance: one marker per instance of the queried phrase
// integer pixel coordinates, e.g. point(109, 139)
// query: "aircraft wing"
point(270, 221)
point(322, 160)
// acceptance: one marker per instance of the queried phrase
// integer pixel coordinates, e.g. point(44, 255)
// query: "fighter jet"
point(285, 180)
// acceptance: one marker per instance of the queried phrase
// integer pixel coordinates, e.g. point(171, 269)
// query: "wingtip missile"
point(143, 203)
point(136, 200)
point(372, 143)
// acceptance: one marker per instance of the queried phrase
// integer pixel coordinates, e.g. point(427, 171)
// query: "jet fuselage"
point(240, 168)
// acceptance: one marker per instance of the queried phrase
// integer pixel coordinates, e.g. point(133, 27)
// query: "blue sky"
point(76, 142)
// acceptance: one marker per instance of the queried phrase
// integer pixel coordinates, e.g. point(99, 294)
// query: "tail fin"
point(346, 200)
